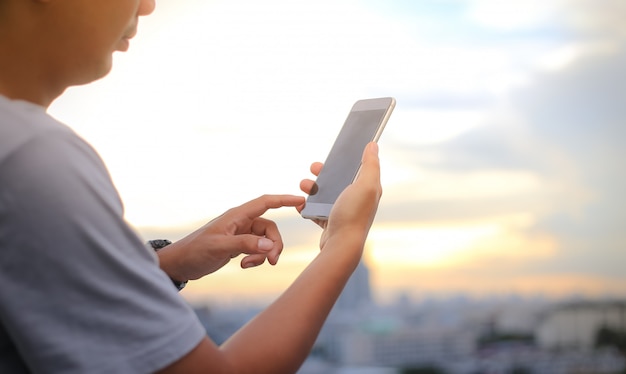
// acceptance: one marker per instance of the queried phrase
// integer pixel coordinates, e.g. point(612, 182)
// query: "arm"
point(279, 339)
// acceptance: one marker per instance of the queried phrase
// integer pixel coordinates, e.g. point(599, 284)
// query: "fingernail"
point(265, 244)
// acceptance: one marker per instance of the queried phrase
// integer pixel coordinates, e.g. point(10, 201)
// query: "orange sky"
point(501, 162)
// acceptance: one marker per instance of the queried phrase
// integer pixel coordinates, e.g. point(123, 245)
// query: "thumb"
point(370, 164)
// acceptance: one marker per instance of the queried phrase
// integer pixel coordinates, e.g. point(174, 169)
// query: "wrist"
point(158, 245)
point(345, 241)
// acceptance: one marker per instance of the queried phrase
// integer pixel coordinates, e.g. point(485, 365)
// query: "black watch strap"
point(158, 244)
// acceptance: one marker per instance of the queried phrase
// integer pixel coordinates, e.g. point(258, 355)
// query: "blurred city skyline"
point(502, 163)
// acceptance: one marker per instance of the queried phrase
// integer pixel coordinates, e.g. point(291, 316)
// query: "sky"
point(502, 164)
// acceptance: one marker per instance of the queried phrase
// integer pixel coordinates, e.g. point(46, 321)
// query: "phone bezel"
point(321, 211)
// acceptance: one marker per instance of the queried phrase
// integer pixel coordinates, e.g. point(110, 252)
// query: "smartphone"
point(364, 124)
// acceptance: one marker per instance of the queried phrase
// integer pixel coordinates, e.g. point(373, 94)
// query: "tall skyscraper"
point(358, 292)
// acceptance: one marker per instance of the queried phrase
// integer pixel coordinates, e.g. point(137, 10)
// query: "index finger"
point(256, 208)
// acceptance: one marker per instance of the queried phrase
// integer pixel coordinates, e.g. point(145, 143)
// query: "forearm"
point(280, 338)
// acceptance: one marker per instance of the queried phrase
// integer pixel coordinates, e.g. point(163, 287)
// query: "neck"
point(25, 83)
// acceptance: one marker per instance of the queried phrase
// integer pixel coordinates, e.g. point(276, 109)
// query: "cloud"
point(581, 112)
point(500, 113)
point(568, 129)
point(594, 19)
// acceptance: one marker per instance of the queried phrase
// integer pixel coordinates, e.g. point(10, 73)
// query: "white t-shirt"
point(79, 291)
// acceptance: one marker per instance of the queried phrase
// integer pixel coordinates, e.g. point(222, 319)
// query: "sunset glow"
point(500, 164)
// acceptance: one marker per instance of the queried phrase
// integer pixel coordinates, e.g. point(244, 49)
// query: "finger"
point(252, 261)
point(370, 165)
point(269, 230)
point(299, 208)
point(316, 167)
point(255, 208)
point(308, 186)
point(234, 245)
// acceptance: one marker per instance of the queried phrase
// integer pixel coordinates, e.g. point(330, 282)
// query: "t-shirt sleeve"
point(79, 291)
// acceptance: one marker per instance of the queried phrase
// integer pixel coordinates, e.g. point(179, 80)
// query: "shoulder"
point(23, 124)
point(76, 264)
point(42, 156)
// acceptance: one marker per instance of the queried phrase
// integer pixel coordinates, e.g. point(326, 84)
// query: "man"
point(79, 292)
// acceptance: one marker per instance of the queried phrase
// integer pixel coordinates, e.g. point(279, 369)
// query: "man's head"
point(63, 42)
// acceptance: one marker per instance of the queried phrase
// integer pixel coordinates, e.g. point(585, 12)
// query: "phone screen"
point(344, 159)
